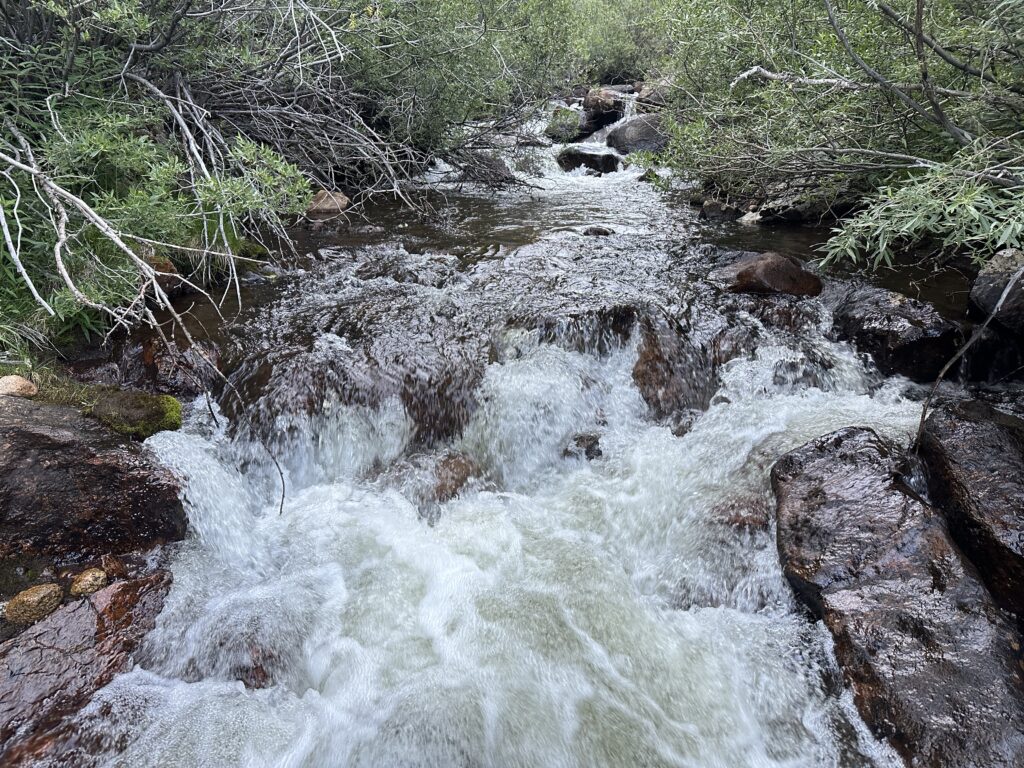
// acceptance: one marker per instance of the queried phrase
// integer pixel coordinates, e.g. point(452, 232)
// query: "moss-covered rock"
point(566, 125)
point(137, 414)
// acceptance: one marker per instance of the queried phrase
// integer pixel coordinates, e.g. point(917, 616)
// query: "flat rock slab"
point(50, 671)
point(73, 490)
point(975, 460)
point(933, 662)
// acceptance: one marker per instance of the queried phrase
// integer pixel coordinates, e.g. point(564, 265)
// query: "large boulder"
point(51, 670)
point(989, 285)
point(73, 490)
point(767, 273)
point(596, 159)
point(603, 106)
point(645, 133)
point(975, 460)
point(672, 374)
point(933, 662)
point(903, 335)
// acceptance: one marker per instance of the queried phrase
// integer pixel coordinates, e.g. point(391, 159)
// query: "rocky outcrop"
point(989, 286)
point(597, 160)
point(933, 663)
point(71, 489)
point(17, 386)
point(50, 671)
point(975, 460)
point(903, 335)
point(769, 272)
point(645, 133)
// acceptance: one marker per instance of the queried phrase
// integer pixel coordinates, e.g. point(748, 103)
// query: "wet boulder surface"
point(645, 133)
point(974, 455)
point(51, 670)
point(903, 335)
point(933, 662)
point(72, 490)
point(769, 272)
point(592, 158)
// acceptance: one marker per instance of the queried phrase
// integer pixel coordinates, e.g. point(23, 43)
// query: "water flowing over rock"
point(975, 460)
point(645, 133)
point(69, 488)
point(595, 159)
point(903, 335)
point(604, 106)
point(50, 671)
point(933, 663)
point(768, 273)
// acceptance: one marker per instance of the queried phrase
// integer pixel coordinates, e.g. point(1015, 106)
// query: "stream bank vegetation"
point(144, 142)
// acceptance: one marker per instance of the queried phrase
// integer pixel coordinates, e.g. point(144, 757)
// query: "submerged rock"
point(571, 158)
point(454, 470)
point(70, 488)
point(51, 670)
point(137, 414)
point(975, 460)
point(903, 335)
point(17, 386)
point(934, 664)
point(33, 604)
point(598, 231)
point(645, 133)
point(767, 273)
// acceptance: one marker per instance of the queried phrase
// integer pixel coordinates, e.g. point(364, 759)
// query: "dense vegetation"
point(137, 135)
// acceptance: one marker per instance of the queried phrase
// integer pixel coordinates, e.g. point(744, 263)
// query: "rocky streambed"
point(566, 483)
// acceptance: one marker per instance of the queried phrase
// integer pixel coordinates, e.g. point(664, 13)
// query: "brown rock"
point(671, 374)
point(70, 488)
point(33, 604)
point(603, 106)
point(767, 273)
point(17, 386)
point(975, 460)
point(88, 581)
point(934, 664)
point(113, 567)
point(51, 670)
point(453, 472)
point(326, 204)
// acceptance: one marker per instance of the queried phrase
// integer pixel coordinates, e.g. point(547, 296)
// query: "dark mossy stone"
point(137, 414)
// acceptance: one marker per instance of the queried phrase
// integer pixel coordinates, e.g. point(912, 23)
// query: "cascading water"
point(623, 611)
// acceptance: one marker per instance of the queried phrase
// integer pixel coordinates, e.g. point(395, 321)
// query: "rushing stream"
point(626, 610)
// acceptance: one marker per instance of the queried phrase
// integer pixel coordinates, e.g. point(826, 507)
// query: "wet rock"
point(903, 335)
point(173, 368)
point(113, 567)
point(975, 460)
point(767, 273)
point(603, 106)
point(33, 604)
point(989, 286)
point(88, 581)
point(717, 210)
point(454, 470)
point(752, 514)
point(670, 373)
point(138, 414)
point(70, 488)
point(17, 386)
point(934, 664)
point(595, 331)
point(586, 446)
point(571, 158)
point(51, 670)
point(807, 202)
point(597, 231)
point(568, 125)
point(326, 203)
point(645, 133)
